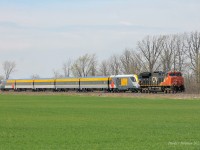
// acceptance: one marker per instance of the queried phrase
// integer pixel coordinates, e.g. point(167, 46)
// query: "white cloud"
point(126, 23)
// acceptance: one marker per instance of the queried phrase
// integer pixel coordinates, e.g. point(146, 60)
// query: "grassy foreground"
point(74, 122)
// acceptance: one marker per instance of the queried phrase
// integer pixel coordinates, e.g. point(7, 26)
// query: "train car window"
point(133, 79)
point(93, 82)
point(24, 83)
point(66, 83)
point(44, 83)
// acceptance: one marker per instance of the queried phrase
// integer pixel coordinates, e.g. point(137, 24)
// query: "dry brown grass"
point(104, 94)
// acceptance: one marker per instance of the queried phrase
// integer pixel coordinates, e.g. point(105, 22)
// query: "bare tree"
point(151, 48)
point(93, 66)
point(130, 62)
point(193, 49)
point(180, 53)
point(85, 65)
point(137, 64)
point(67, 68)
point(104, 68)
point(56, 74)
point(9, 68)
point(114, 65)
point(127, 61)
point(168, 54)
point(1, 77)
point(35, 76)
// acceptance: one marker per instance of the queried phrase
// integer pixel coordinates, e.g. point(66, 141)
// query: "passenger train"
point(146, 82)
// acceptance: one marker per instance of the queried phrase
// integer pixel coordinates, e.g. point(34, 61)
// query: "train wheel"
point(176, 89)
point(172, 89)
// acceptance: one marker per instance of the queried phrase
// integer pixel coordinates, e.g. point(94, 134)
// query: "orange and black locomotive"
point(159, 81)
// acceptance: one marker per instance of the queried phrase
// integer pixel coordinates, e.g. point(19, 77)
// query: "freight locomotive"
point(161, 81)
point(146, 82)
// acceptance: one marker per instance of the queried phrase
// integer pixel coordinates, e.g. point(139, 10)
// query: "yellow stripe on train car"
point(93, 79)
point(68, 80)
point(10, 81)
point(22, 81)
point(47, 80)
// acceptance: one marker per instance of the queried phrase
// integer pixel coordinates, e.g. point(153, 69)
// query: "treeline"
point(179, 52)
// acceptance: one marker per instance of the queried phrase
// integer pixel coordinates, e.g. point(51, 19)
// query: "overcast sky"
point(39, 35)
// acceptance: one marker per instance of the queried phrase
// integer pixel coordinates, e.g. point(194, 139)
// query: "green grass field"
point(74, 122)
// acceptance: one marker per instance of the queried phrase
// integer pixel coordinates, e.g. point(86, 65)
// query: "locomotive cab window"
point(172, 74)
point(133, 79)
point(179, 74)
point(175, 74)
